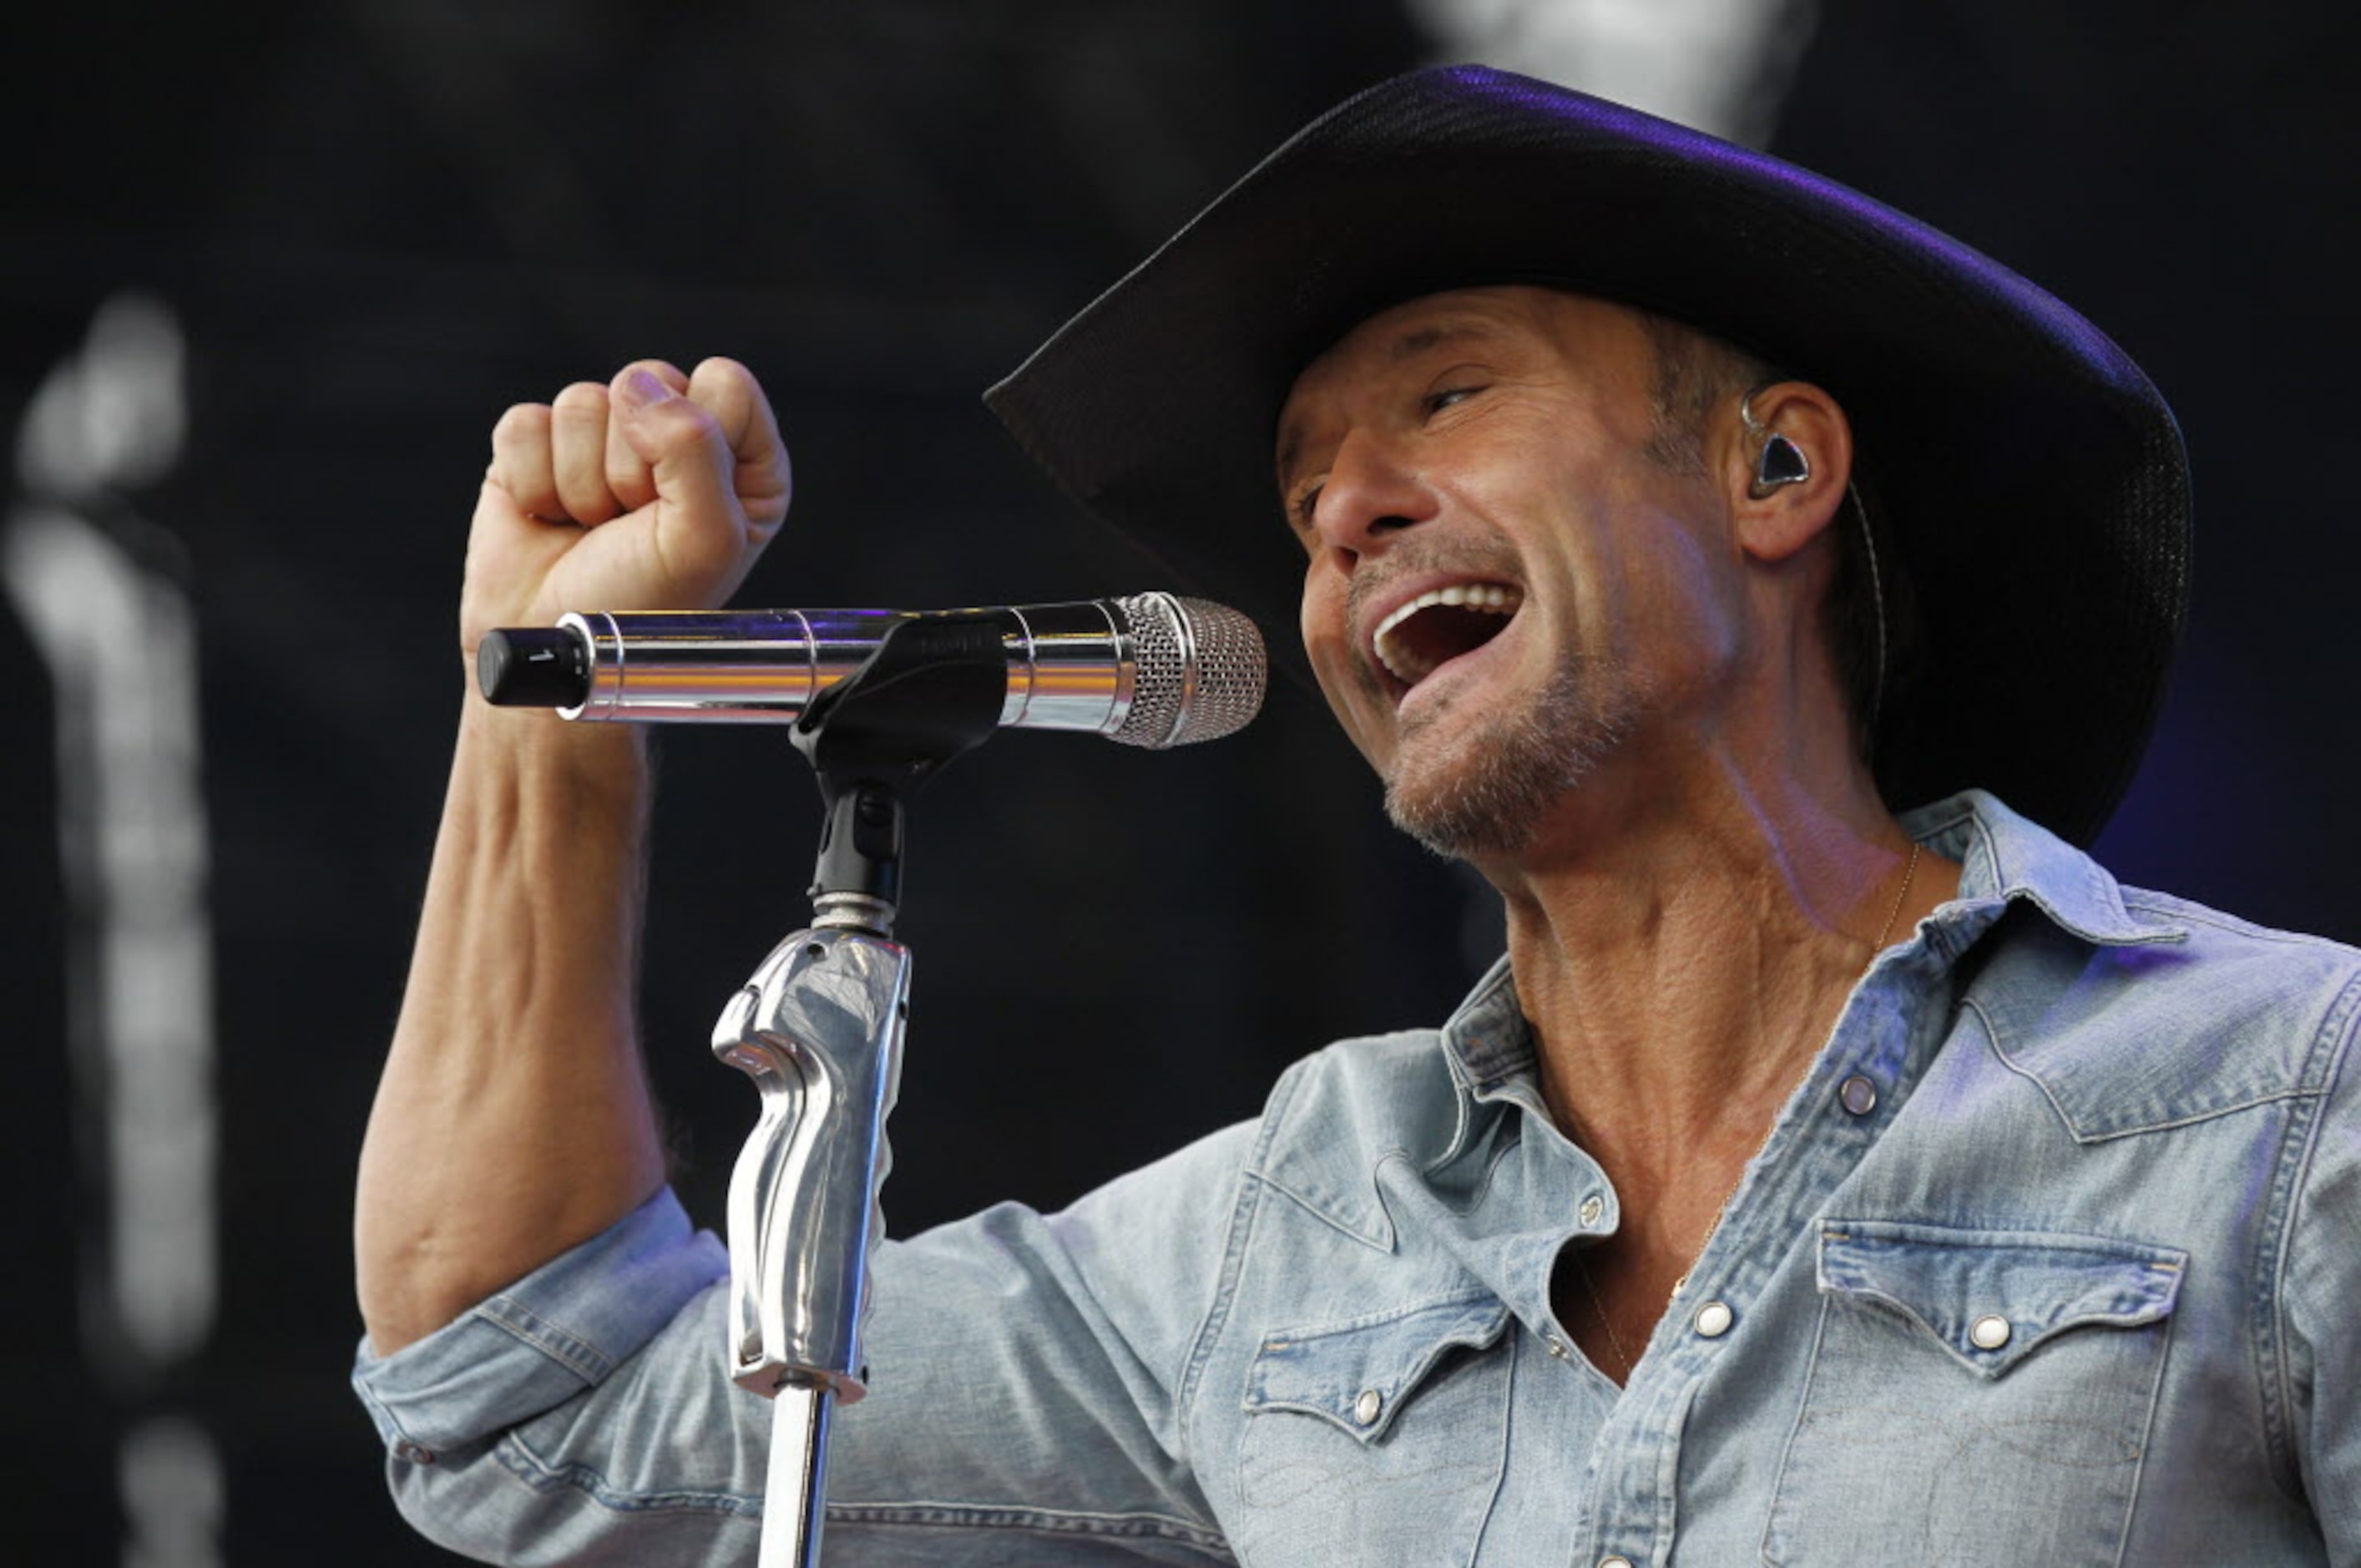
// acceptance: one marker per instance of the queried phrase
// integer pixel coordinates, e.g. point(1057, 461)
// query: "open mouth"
point(1439, 625)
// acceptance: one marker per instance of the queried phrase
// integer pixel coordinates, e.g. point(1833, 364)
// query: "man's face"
point(1505, 595)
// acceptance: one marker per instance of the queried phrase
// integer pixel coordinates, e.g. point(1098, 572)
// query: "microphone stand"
point(819, 1028)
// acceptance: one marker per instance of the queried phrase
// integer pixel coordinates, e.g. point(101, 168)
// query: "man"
point(1809, 1185)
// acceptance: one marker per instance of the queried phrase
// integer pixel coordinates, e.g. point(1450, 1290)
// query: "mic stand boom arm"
point(819, 1028)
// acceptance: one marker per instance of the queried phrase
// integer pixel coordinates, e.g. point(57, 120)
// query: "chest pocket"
point(1374, 1430)
point(1974, 1397)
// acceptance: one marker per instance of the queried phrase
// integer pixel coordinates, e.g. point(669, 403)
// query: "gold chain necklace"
point(1590, 1288)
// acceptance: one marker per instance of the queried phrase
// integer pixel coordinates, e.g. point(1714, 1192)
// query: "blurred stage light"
point(118, 636)
point(1719, 65)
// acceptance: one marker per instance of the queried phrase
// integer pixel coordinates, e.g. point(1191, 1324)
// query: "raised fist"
point(655, 491)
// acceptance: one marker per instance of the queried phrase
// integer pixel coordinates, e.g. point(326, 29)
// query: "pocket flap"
point(1991, 1298)
point(1357, 1374)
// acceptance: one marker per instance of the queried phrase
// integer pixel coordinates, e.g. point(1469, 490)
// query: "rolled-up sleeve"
point(1028, 1375)
point(524, 1431)
point(556, 1333)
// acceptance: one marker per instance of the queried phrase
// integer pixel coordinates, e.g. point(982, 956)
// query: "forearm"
point(513, 1118)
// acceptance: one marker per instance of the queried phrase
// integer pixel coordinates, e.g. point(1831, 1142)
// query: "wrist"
point(537, 740)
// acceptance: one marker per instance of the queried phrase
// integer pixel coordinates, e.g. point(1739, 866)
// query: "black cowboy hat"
point(2030, 479)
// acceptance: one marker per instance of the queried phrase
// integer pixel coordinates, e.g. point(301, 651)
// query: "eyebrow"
point(1407, 347)
point(1434, 334)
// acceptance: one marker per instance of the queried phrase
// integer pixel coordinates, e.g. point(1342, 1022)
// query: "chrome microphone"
point(1149, 670)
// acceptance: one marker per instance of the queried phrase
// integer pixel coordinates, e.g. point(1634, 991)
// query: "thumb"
point(699, 522)
point(681, 443)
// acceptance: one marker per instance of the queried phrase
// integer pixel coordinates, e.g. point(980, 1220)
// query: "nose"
point(1369, 498)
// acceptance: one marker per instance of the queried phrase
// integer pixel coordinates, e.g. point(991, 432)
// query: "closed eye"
point(1307, 500)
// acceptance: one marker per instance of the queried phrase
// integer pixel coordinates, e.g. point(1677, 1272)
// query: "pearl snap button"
point(1990, 1333)
point(413, 1452)
point(1557, 1347)
point(1592, 1206)
point(1858, 1095)
point(1614, 1562)
point(1713, 1320)
point(1366, 1408)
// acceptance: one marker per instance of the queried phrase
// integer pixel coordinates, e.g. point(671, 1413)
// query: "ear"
point(1773, 521)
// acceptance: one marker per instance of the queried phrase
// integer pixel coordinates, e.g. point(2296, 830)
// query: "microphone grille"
point(1198, 667)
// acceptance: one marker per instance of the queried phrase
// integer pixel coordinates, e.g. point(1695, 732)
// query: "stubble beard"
point(1485, 792)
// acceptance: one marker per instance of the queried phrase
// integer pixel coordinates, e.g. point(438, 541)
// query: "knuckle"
point(581, 398)
point(520, 421)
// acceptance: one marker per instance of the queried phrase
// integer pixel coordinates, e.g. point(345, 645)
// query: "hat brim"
point(2030, 476)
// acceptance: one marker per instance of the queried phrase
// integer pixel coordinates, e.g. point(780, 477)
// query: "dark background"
point(379, 224)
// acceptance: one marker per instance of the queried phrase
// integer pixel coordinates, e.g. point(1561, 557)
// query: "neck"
point(1681, 971)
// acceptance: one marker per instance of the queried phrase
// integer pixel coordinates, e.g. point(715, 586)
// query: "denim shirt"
point(2055, 1256)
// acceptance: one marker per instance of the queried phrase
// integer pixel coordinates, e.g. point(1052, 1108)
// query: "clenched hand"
point(655, 491)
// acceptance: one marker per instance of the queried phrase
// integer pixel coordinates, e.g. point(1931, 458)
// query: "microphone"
point(1149, 670)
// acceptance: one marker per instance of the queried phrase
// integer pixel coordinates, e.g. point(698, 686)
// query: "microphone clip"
point(933, 688)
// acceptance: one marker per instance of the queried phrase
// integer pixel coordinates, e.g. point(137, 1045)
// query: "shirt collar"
point(1486, 1038)
point(2003, 858)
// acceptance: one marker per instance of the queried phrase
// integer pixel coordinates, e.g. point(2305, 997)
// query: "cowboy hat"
point(2030, 479)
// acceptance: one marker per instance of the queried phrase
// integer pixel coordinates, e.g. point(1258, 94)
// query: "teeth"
point(1492, 598)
